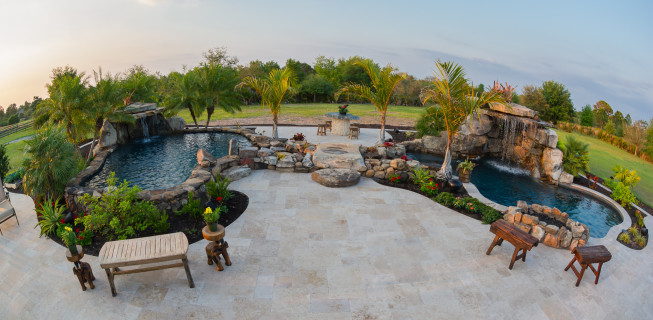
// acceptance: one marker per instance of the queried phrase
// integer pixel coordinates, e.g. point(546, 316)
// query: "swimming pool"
point(162, 161)
point(506, 184)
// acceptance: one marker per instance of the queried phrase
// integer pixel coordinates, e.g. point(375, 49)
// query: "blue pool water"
point(505, 184)
point(163, 161)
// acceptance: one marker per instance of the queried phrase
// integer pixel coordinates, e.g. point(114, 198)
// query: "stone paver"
point(304, 251)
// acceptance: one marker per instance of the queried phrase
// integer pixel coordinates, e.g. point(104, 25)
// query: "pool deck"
point(304, 251)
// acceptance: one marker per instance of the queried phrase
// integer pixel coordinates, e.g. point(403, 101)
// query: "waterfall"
point(511, 130)
point(146, 130)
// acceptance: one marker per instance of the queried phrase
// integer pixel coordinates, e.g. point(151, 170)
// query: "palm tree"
point(575, 156)
point(457, 100)
point(384, 82)
point(68, 103)
point(216, 85)
point(107, 104)
point(272, 89)
point(184, 94)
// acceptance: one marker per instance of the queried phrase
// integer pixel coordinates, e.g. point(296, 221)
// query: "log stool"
point(353, 132)
point(328, 125)
point(216, 247)
point(585, 257)
point(81, 269)
point(321, 129)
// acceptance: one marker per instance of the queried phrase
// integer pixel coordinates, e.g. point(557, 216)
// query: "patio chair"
point(328, 125)
point(6, 209)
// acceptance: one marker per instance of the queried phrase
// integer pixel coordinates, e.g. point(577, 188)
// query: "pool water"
point(506, 184)
point(162, 161)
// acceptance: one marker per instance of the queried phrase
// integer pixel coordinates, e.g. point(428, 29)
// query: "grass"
point(604, 156)
point(16, 155)
point(17, 135)
point(307, 110)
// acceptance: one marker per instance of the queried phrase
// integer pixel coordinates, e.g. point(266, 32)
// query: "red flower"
point(436, 185)
point(219, 199)
point(74, 216)
point(63, 221)
point(77, 230)
point(85, 214)
point(81, 238)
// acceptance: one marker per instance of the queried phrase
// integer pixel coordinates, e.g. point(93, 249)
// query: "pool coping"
point(612, 233)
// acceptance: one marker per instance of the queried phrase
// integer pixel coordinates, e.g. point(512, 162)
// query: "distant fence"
point(7, 130)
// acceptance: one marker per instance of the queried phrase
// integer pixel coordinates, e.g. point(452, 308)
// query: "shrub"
point(640, 240)
point(446, 199)
point(624, 195)
point(431, 123)
point(4, 161)
point(633, 231)
point(430, 187)
point(51, 214)
point(119, 214)
point(420, 175)
point(192, 208)
point(489, 214)
point(51, 162)
point(628, 177)
point(298, 137)
point(396, 178)
point(15, 176)
point(575, 157)
point(219, 189)
point(624, 237)
point(640, 219)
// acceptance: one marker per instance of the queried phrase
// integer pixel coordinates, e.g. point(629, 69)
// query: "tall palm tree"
point(184, 94)
point(457, 100)
point(216, 85)
point(272, 89)
point(106, 104)
point(384, 82)
point(67, 105)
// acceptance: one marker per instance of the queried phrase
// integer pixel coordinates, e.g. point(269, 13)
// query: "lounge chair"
point(6, 209)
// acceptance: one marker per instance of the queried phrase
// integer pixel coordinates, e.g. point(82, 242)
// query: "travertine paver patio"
point(303, 251)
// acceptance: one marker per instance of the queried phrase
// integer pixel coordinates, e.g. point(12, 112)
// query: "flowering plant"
point(211, 216)
point(396, 178)
point(298, 137)
point(466, 166)
point(343, 109)
point(430, 187)
point(68, 236)
point(388, 144)
point(404, 157)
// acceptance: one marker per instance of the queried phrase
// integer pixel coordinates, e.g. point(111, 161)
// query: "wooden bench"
point(140, 251)
point(585, 257)
point(517, 237)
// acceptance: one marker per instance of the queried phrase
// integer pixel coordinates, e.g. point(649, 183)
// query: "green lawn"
point(16, 155)
point(27, 132)
point(604, 156)
point(308, 110)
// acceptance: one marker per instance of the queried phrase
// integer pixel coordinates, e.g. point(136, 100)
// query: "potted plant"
point(343, 109)
point(211, 218)
point(70, 239)
point(465, 170)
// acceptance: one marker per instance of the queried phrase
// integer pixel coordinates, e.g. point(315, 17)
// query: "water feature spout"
point(146, 130)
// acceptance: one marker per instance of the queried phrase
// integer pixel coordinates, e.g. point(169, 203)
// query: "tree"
point(272, 90)
point(68, 104)
point(533, 98)
point(379, 93)
point(587, 116)
point(635, 134)
point(50, 163)
point(139, 86)
point(619, 121)
point(601, 117)
point(4, 161)
point(216, 85)
point(603, 105)
point(326, 67)
point(609, 127)
point(457, 100)
point(575, 156)
point(649, 139)
point(219, 56)
point(184, 95)
point(301, 70)
point(316, 85)
point(559, 100)
point(106, 99)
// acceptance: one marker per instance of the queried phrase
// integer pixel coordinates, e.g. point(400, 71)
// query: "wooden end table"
point(521, 240)
point(585, 257)
point(216, 247)
point(81, 269)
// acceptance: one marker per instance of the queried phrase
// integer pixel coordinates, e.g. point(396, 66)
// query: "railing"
point(8, 130)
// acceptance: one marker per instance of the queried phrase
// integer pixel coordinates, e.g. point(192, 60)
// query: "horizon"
point(596, 49)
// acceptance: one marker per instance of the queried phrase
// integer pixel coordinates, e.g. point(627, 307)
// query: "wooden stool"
point(585, 257)
point(517, 237)
point(328, 125)
point(217, 247)
point(82, 270)
point(321, 129)
point(353, 132)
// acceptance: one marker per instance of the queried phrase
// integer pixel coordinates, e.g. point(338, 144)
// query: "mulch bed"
point(583, 181)
point(399, 136)
point(445, 188)
point(191, 227)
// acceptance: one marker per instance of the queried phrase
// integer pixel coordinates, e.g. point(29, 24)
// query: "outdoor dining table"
point(340, 122)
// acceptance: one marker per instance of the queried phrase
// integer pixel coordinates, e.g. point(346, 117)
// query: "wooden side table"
point(81, 269)
point(585, 257)
point(216, 247)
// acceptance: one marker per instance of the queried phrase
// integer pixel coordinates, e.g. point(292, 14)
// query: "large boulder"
point(566, 178)
point(336, 178)
point(435, 144)
point(476, 126)
point(205, 159)
point(108, 135)
point(177, 124)
point(248, 152)
point(514, 109)
point(552, 163)
point(236, 173)
point(338, 156)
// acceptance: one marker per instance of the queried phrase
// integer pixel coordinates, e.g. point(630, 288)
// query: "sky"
point(600, 50)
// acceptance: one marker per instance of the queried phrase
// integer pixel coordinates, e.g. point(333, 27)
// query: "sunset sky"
point(601, 50)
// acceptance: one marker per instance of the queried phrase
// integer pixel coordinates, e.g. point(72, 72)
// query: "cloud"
point(153, 3)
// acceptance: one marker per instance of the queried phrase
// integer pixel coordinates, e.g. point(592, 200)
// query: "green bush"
point(633, 231)
point(624, 237)
point(575, 156)
point(489, 214)
point(219, 189)
point(420, 175)
point(119, 214)
point(51, 162)
point(624, 195)
point(15, 176)
point(626, 176)
point(51, 213)
point(430, 187)
point(431, 123)
point(4, 161)
point(445, 198)
point(193, 208)
point(640, 240)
